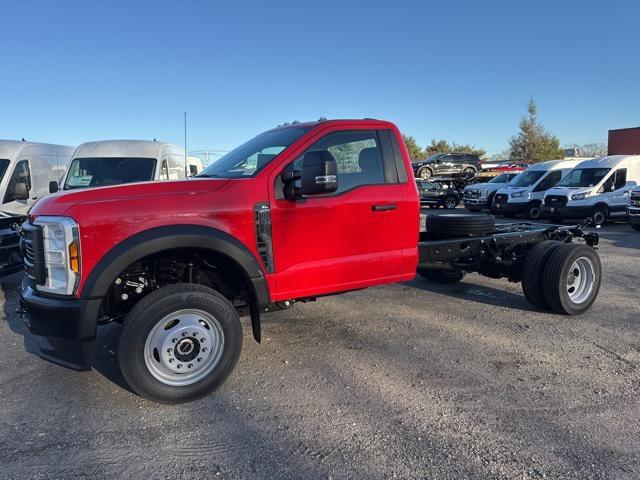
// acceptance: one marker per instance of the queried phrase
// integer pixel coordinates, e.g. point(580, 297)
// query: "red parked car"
point(511, 167)
point(298, 212)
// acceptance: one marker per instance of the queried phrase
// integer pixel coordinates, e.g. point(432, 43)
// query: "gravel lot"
point(402, 381)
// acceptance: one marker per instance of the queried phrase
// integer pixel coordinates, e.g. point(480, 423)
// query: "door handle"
point(383, 208)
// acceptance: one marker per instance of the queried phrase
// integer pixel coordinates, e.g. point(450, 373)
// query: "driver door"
point(345, 240)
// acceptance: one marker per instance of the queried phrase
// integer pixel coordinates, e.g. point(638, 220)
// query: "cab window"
point(549, 181)
point(21, 174)
point(358, 157)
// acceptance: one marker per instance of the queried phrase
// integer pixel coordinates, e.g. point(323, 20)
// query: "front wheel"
point(600, 215)
point(424, 173)
point(469, 172)
point(450, 202)
point(179, 343)
point(534, 211)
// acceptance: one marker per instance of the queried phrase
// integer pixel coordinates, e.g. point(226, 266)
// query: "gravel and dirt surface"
point(412, 381)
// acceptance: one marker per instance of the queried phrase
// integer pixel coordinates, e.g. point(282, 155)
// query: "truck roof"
point(11, 149)
point(122, 148)
point(340, 121)
point(609, 162)
point(554, 165)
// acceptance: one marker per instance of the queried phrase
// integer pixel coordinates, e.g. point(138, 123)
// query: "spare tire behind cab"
point(460, 224)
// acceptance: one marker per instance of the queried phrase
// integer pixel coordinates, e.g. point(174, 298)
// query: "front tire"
point(450, 202)
point(600, 215)
point(534, 211)
point(179, 343)
point(424, 173)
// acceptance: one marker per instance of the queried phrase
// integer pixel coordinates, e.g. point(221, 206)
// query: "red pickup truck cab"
point(300, 211)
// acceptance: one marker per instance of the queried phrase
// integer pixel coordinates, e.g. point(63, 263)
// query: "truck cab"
point(597, 188)
point(116, 162)
point(525, 192)
point(633, 209)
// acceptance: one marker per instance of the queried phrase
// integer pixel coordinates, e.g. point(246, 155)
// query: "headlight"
point(580, 196)
point(483, 193)
point(61, 254)
point(518, 194)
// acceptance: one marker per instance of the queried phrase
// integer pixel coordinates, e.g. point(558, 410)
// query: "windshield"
point(526, 179)
point(434, 157)
point(250, 157)
point(584, 177)
point(99, 172)
point(504, 178)
point(4, 164)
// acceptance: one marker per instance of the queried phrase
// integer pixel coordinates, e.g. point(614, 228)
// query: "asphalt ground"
point(414, 380)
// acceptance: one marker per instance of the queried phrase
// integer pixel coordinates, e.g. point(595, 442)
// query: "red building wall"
point(624, 141)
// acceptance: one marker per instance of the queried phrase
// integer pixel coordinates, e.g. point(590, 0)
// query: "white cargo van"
point(525, 192)
point(115, 162)
point(633, 209)
point(597, 188)
point(28, 171)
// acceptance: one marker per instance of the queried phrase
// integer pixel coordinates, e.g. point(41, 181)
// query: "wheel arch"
point(170, 237)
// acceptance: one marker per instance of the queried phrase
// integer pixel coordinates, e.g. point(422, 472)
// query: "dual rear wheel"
point(564, 277)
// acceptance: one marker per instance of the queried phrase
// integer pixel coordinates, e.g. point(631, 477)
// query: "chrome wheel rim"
point(450, 203)
point(184, 347)
point(580, 280)
point(424, 173)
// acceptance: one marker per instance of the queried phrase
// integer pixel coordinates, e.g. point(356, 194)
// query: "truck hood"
point(61, 202)
point(489, 187)
point(568, 191)
point(510, 190)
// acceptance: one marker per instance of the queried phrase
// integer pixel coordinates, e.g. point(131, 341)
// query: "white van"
point(115, 162)
point(597, 188)
point(525, 192)
point(28, 171)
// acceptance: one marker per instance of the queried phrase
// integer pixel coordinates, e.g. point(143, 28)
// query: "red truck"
point(298, 212)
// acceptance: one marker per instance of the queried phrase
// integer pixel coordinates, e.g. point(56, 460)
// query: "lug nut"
point(195, 334)
point(190, 365)
point(204, 349)
point(174, 340)
point(184, 334)
point(124, 296)
point(169, 351)
point(118, 281)
point(171, 360)
point(178, 366)
point(199, 359)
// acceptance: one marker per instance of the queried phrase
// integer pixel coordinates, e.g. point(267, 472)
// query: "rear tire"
point(572, 278)
point(460, 224)
point(532, 272)
point(441, 276)
point(600, 215)
point(179, 343)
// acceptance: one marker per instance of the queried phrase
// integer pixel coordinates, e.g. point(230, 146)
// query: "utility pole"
point(185, 146)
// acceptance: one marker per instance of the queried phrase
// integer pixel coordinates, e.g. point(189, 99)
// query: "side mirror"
point(53, 187)
point(20, 191)
point(319, 173)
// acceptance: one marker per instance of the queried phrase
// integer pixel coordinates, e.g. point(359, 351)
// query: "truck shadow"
point(474, 292)
point(10, 286)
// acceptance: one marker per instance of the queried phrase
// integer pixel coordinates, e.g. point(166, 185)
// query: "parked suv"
point(447, 164)
point(434, 195)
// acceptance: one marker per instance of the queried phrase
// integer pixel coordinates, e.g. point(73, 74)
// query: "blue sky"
point(77, 71)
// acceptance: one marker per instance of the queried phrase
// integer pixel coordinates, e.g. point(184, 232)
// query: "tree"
point(533, 142)
point(415, 152)
point(442, 146)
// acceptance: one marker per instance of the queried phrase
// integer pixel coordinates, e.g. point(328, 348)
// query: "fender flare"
point(168, 237)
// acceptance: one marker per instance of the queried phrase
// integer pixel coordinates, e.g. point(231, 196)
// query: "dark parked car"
point(434, 195)
point(447, 164)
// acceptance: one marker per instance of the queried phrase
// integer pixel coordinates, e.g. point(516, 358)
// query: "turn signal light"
point(74, 257)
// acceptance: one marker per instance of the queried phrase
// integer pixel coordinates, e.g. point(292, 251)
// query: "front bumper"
point(568, 211)
point(509, 207)
point(475, 202)
point(64, 327)
point(633, 215)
